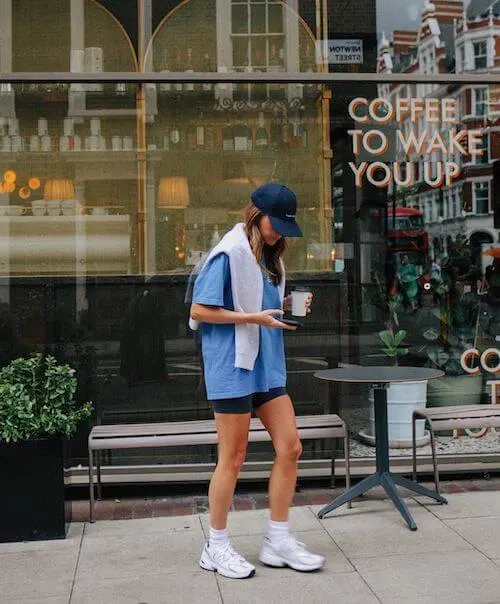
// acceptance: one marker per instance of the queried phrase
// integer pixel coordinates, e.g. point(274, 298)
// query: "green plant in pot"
point(38, 412)
point(404, 398)
point(456, 387)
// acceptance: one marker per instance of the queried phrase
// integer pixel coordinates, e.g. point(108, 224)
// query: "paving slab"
point(254, 522)
point(374, 527)
point(276, 586)
point(37, 574)
point(464, 577)
point(466, 505)
point(171, 524)
point(134, 554)
point(482, 533)
point(188, 587)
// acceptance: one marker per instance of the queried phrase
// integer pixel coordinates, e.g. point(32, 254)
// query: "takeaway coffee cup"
point(299, 298)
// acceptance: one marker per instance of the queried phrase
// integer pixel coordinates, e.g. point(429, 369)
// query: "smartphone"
point(290, 322)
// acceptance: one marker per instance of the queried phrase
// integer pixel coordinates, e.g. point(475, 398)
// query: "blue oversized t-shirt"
point(224, 380)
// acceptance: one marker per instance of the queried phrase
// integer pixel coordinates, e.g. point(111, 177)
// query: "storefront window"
point(111, 192)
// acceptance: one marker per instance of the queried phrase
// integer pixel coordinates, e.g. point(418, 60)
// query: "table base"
point(388, 481)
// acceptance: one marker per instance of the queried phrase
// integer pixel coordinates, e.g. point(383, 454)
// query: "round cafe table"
point(380, 378)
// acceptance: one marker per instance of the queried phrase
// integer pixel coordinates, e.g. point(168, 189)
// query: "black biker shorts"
point(245, 404)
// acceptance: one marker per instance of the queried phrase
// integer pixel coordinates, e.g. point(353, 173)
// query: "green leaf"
point(387, 338)
point(399, 337)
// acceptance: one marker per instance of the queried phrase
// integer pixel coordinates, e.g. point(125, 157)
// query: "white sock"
point(277, 531)
point(217, 537)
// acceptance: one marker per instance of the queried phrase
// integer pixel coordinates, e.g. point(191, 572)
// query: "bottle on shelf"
point(210, 136)
point(227, 137)
point(176, 139)
point(191, 137)
point(286, 132)
point(6, 144)
point(95, 142)
point(303, 131)
point(241, 136)
point(189, 69)
point(207, 68)
point(275, 129)
point(121, 89)
point(200, 132)
point(165, 68)
point(261, 135)
point(17, 143)
point(43, 133)
point(178, 67)
point(166, 139)
point(296, 140)
point(69, 141)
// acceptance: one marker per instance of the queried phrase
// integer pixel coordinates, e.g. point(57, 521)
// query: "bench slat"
point(204, 426)
point(201, 439)
point(124, 436)
point(466, 411)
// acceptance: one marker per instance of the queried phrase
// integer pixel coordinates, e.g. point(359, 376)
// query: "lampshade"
point(173, 192)
point(59, 189)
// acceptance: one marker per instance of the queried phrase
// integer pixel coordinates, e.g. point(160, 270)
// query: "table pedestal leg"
point(383, 476)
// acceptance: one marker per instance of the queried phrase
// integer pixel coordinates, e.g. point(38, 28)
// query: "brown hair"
point(271, 255)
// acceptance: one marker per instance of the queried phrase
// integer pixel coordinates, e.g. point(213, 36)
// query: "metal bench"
point(170, 434)
point(452, 418)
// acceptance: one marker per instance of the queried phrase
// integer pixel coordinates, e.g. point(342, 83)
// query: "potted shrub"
point(37, 414)
point(456, 387)
point(404, 398)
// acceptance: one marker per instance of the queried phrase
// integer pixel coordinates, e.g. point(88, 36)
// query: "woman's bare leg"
point(232, 430)
point(278, 417)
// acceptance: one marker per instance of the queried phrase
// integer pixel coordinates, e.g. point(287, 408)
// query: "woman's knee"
point(289, 450)
point(233, 459)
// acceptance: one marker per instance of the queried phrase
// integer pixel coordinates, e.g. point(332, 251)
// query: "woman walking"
point(238, 298)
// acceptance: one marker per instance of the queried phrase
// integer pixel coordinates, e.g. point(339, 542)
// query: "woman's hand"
point(267, 318)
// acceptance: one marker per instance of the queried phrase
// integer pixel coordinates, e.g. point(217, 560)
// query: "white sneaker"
point(226, 561)
point(290, 552)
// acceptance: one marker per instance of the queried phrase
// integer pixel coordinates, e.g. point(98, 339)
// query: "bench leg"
point(91, 486)
point(434, 459)
point(332, 465)
point(99, 483)
point(414, 446)
point(347, 465)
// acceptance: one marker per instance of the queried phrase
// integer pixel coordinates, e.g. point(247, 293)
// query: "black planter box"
point(32, 500)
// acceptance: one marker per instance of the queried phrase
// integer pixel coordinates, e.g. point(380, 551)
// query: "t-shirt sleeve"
point(211, 282)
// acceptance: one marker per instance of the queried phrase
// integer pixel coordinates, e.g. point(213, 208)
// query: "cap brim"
point(286, 228)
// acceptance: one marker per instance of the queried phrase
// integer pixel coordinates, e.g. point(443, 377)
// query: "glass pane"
point(259, 56)
point(29, 41)
point(239, 21)
point(258, 19)
point(275, 17)
point(69, 191)
point(240, 52)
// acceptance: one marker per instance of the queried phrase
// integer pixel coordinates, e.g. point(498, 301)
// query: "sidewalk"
point(371, 556)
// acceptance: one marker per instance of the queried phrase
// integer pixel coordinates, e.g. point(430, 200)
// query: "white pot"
point(402, 400)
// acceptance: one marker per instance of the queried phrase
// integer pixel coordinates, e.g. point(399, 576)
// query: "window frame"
point(476, 56)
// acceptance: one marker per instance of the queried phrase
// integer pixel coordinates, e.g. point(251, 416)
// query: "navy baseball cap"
point(280, 204)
